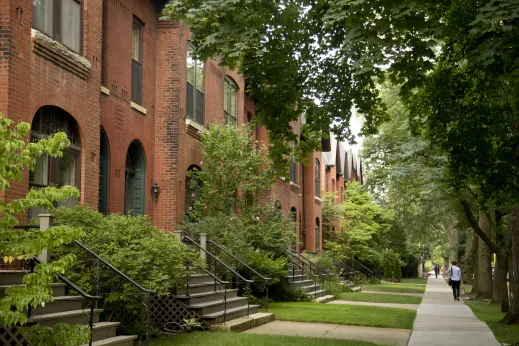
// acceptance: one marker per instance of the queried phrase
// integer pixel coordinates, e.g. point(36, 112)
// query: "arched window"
point(317, 235)
point(104, 172)
point(341, 197)
point(230, 101)
point(55, 171)
point(135, 181)
point(195, 101)
point(333, 191)
point(317, 174)
point(192, 188)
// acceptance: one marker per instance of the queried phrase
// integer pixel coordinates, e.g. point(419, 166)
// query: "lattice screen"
point(167, 309)
point(12, 337)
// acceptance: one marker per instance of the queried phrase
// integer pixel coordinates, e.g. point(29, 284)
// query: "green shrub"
point(154, 259)
point(283, 291)
point(397, 271)
point(334, 288)
point(388, 269)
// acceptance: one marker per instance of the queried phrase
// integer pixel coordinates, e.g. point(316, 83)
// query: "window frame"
point(190, 51)
point(57, 24)
point(317, 177)
point(138, 99)
point(293, 163)
point(317, 230)
point(232, 86)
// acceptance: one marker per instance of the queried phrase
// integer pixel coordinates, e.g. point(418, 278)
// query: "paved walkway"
point(441, 321)
point(385, 305)
point(384, 336)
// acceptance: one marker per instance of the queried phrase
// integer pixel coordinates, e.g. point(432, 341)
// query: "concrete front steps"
point(297, 278)
point(207, 300)
point(244, 323)
point(67, 309)
point(351, 285)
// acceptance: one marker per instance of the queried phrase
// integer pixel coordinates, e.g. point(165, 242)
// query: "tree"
point(16, 155)
point(388, 269)
point(397, 270)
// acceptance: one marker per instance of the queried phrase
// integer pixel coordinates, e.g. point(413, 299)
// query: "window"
point(55, 171)
point(137, 61)
point(104, 172)
point(317, 174)
point(135, 181)
point(317, 235)
point(195, 87)
point(230, 101)
point(333, 191)
point(60, 20)
point(341, 197)
point(293, 163)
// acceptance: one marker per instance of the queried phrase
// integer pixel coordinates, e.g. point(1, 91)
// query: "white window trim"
point(195, 124)
point(138, 108)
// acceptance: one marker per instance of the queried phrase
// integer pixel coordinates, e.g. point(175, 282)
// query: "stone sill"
point(294, 187)
point(318, 200)
point(105, 90)
point(138, 108)
point(193, 128)
point(60, 55)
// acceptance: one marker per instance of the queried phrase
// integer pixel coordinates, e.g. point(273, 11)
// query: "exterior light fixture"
point(155, 190)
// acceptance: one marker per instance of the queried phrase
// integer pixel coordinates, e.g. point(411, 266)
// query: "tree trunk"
point(500, 292)
point(512, 317)
point(484, 261)
point(475, 251)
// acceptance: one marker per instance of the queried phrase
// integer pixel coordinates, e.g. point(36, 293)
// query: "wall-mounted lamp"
point(155, 190)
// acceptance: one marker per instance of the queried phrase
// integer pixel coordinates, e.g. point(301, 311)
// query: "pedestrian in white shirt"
point(455, 280)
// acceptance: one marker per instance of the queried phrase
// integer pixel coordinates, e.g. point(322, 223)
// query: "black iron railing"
point(364, 269)
point(344, 269)
point(317, 270)
point(305, 270)
point(217, 266)
point(238, 262)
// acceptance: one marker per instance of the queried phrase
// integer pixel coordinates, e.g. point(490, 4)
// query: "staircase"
point(303, 277)
point(208, 297)
point(64, 309)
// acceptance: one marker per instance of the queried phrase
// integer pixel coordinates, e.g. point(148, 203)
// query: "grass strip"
point(491, 314)
point(401, 288)
point(233, 339)
point(355, 315)
point(379, 298)
point(414, 281)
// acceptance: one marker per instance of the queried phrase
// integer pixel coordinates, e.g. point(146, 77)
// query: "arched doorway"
point(55, 171)
point(135, 181)
point(104, 171)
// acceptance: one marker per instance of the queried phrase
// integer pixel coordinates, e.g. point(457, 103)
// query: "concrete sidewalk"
point(384, 305)
point(441, 321)
point(384, 336)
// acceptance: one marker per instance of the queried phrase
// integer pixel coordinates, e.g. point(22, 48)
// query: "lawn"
point(357, 315)
point(379, 298)
point(232, 339)
point(400, 288)
point(491, 314)
point(414, 281)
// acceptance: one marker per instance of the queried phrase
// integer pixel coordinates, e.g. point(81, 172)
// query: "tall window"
point(61, 20)
point(230, 101)
point(317, 174)
point(55, 171)
point(317, 235)
point(341, 197)
point(195, 87)
point(137, 61)
point(293, 164)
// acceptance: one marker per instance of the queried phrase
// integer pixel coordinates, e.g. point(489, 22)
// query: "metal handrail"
point(114, 268)
point(363, 266)
point(310, 264)
point(217, 259)
point(238, 260)
point(344, 266)
point(265, 279)
point(78, 290)
point(303, 269)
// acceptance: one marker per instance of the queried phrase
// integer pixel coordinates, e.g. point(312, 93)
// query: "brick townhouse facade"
point(125, 87)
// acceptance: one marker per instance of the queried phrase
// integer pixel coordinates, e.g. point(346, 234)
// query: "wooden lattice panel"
point(12, 337)
point(168, 309)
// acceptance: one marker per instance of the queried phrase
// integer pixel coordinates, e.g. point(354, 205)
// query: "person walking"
point(455, 280)
point(436, 270)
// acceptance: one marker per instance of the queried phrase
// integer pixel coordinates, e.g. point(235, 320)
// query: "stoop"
point(244, 323)
point(324, 299)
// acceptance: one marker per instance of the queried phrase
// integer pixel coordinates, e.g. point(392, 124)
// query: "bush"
point(154, 259)
point(397, 271)
point(388, 269)
point(284, 291)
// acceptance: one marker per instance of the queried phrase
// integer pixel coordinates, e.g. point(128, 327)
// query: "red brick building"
point(126, 89)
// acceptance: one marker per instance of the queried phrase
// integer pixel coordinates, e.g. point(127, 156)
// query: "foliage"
point(17, 155)
point(191, 325)
point(388, 269)
point(283, 291)
point(60, 334)
point(231, 164)
point(335, 288)
point(491, 314)
point(397, 270)
point(154, 259)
